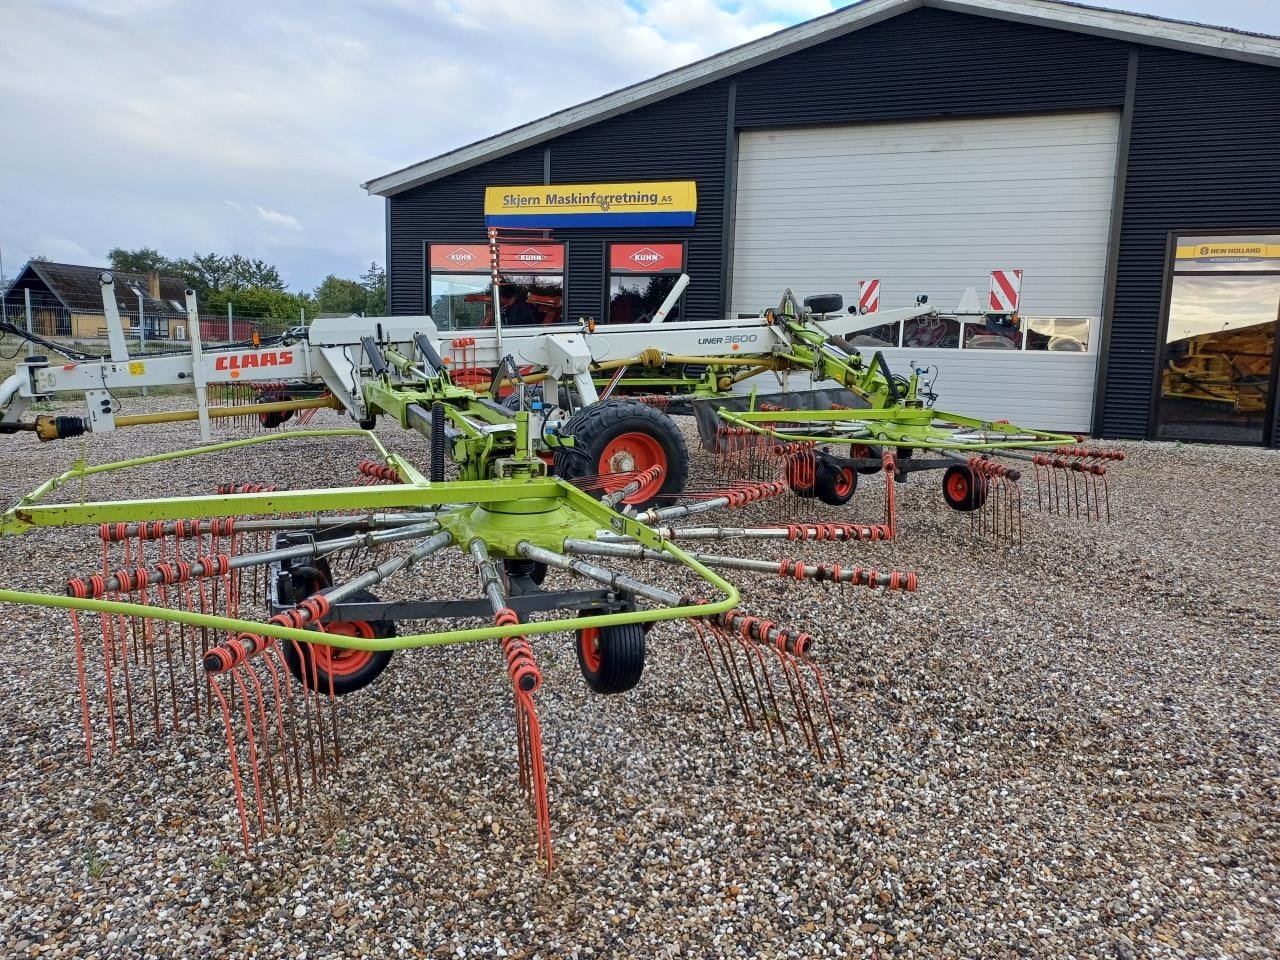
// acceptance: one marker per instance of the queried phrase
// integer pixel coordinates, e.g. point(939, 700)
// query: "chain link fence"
point(149, 328)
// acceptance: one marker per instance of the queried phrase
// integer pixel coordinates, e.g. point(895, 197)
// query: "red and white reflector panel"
point(868, 296)
point(1005, 285)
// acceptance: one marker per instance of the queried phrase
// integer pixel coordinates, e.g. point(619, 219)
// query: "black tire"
point(358, 672)
point(437, 443)
point(595, 428)
point(834, 484)
point(611, 658)
point(275, 418)
point(963, 489)
point(824, 303)
point(864, 451)
point(368, 423)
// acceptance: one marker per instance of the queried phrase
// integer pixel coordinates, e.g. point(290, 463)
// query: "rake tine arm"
point(731, 498)
point(788, 531)
point(602, 575)
point(129, 581)
point(859, 576)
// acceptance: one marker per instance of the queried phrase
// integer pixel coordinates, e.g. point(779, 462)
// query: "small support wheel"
point(862, 451)
point(834, 484)
point(275, 418)
point(611, 658)
point(963, 489)
point(315, 665)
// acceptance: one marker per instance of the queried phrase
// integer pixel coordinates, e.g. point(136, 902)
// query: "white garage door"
point(927, 207)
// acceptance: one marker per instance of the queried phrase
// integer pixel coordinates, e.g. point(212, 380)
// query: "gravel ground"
point(1071, 749)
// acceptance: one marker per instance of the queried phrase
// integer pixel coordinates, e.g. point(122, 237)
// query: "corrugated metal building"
point(1127, 165)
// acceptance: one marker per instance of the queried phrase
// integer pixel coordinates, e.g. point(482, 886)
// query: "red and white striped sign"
point(1005, 285)
point(868, 296)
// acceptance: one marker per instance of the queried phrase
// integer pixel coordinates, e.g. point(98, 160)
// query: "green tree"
point(374, 281)
point(260, 303)
point(142, 260)
point(337, 295)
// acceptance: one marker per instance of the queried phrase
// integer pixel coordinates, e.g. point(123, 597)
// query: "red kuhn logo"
point(248, 361)
point(460, 256)
point(646, 257)
point(530, 256)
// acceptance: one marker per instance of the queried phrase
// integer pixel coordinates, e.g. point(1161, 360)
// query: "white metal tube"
point(110, 310)
point(197, 364)
point(672, 298)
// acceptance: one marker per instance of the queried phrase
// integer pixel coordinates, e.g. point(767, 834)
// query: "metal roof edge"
point(636, 95)
point(1097, 21)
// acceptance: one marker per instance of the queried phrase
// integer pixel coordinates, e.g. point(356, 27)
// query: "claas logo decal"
point(249, 361)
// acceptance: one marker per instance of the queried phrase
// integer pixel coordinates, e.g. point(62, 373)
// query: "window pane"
point(635, 299)
point(882, 335)
point(531, 299)
point(459, 301)
point(932, 332)
point(1069, 334)
point(465, 301)
point(1215, 254)
point(1214, 384)
point(992, 335)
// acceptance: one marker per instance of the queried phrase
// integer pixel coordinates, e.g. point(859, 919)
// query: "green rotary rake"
point(256, 607)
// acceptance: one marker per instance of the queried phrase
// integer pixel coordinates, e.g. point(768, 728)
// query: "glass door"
point(1220, 340)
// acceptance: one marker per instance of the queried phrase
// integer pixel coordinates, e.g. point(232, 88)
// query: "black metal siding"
point(665, 141)
point(450, 210)
point(929, 63)
point(1202, 156)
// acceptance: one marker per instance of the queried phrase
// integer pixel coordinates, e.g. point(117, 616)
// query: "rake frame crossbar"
point(893, 427)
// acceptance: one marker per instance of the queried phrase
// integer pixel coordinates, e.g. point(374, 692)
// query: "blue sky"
point(248, 127)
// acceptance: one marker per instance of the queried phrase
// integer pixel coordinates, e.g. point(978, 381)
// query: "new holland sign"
point(658, 204)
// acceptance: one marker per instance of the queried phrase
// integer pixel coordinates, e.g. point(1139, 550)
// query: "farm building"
point(1122, 169)
point(66, 300)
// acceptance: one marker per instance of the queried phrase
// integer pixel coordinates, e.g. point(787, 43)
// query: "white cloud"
point(275, 216)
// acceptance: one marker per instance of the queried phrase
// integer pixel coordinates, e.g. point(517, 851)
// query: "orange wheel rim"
point(589, 641)
point(343, 661)
point(844, 482)
point(629, 453)
point(958, 486)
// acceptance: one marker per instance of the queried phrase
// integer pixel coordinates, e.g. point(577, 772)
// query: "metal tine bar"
point(209, 567)
point(525, 680)
point(790, 568)
point(826, 704)
point(784, 661)
point(725, 646)
point(609, 578)
point(311, 522)
point(789, 531)
point(701, 632)
point(763, 491)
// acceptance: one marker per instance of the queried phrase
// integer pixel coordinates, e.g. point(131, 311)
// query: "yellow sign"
point(137, 368)
point(668, 203)
point(1240, 252)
